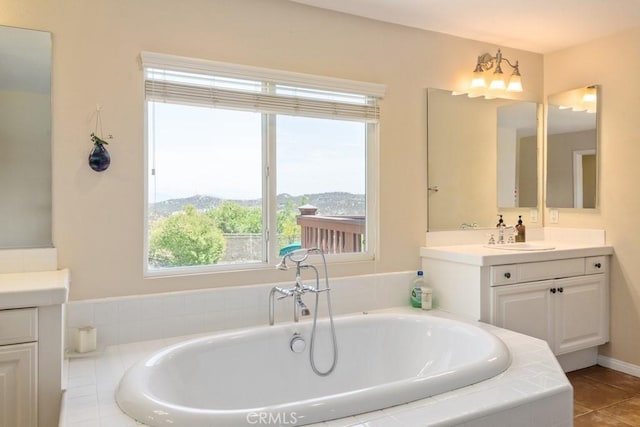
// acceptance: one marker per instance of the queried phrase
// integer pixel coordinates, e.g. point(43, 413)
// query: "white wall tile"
point(129, 319)
point(130, 310)
point(80, 315)
point(105, 312)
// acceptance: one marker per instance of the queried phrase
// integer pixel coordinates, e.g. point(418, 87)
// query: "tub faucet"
point(300, 308)
point(298, 289)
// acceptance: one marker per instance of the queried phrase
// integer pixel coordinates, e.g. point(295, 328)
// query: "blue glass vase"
point(99, 159)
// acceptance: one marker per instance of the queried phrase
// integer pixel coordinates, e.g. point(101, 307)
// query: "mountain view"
point(333, 203)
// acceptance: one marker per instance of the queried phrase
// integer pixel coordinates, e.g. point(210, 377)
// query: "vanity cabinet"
point(18, 367)
point(560, 296)
point(570, 313)
point(31, 346)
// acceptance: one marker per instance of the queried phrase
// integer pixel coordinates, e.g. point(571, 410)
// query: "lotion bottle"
point(521, 229)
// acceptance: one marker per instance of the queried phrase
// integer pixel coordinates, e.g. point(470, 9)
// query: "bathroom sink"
point(522, 246)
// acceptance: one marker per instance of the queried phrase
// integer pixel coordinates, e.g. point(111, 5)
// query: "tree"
point(288, 228)
point(233, 218)
point(188, 237)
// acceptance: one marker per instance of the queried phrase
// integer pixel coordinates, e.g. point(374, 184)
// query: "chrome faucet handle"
point(307, 288)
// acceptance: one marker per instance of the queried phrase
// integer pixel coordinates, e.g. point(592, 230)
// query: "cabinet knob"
point(597, 265)
point(560, 290)
point(552, 290)
point(507, 275)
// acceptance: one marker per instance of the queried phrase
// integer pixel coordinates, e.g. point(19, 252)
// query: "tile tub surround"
point(533, 392)
point(148, 317)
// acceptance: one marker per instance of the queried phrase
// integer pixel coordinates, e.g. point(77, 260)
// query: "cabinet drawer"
point(504, 274)
point(534, 271)
point(18, 326)
point(595, 264)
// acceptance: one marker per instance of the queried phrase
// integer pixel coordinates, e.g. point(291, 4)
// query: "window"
point(245, 164)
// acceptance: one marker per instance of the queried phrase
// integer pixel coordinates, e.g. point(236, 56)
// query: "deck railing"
point(333, 234)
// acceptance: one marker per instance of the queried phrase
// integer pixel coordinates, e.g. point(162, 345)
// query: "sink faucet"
point(501, 231)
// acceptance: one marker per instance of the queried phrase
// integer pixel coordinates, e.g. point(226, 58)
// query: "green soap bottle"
point(416, 289)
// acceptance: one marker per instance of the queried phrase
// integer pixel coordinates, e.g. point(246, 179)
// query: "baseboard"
point(619, 365)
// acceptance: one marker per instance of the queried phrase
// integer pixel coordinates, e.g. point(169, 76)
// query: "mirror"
point(572, 142)
point(517, 155)
point(482, 159)
point(25, 138)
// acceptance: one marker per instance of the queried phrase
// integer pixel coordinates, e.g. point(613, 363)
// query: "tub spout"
point(272, 296)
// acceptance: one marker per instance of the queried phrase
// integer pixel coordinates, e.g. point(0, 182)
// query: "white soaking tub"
point(253, 377)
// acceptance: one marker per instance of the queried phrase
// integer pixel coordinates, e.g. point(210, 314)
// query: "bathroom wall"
point(614, 63)
point(98, 217)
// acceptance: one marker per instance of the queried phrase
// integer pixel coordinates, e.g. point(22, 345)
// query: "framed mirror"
point(25, 138)
point(572, 149)
point(482, 160)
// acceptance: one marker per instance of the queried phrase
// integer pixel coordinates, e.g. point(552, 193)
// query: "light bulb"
point(515, 84)
point(478, 80)
point(498, 82)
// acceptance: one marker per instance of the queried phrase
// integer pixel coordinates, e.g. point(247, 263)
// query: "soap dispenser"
point(520, 228)
point(501, 222)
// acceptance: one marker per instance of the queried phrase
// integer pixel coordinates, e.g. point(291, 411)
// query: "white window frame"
point(182, 64)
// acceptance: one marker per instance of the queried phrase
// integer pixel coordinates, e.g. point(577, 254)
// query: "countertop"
point(34, 289)
point(482, 255)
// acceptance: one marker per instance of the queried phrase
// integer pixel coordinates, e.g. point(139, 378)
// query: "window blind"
point(223, 86)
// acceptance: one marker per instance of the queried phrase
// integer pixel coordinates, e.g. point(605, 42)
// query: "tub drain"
point(297, 344)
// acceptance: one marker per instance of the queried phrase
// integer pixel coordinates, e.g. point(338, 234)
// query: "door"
point(18, 385)
point(581, 306)
point(524, 308)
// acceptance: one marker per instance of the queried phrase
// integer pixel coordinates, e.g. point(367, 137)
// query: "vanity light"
point(590, 97)
point(499, 82)
point(589, 94)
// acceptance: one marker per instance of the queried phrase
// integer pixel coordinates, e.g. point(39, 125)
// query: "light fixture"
point(487, 62)
point(590, 94)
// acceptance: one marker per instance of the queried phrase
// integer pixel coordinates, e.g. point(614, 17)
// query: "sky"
point(218, 153)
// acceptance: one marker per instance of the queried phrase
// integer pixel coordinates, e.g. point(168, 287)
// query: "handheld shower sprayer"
point(298, 256)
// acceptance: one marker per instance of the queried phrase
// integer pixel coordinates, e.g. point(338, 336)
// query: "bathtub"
point(252, 376)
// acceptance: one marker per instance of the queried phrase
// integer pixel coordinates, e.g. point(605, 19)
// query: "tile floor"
point(605, 398)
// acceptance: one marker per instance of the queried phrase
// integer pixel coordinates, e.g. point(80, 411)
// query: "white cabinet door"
point(581, 309)
point(18, 385)
point(524, 308)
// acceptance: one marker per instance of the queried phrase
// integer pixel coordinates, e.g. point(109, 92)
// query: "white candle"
point(86, 339)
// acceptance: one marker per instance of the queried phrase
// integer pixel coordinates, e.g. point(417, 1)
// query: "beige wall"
point(614, 63)
point(98, 217)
